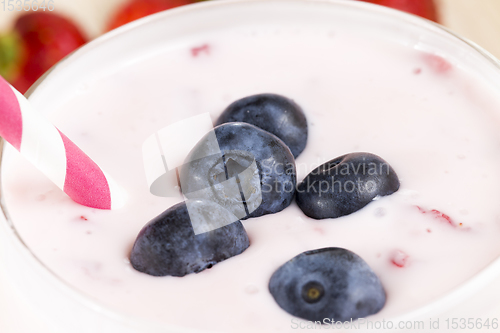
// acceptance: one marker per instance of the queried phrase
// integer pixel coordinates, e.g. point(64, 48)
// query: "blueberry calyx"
point(312, 292)
point(331, 283)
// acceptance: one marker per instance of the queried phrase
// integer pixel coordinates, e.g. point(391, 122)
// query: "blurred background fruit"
point(38, 41)
point(424, 8)
point(135, 9)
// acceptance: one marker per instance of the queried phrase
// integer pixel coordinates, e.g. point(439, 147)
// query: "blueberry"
point(331, 283)
point(273, 113)
point(167, 245)
point(267, 188)
point(345, 184)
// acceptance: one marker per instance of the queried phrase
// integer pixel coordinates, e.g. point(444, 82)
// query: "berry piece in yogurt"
point(437, 215)
point(327, 283)
point(167, 245)
point(345, 184)
point(263, 166)
point(276, 114)
point(399, 258)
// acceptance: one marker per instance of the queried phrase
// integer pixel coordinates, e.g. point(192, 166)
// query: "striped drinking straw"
point(53, 153)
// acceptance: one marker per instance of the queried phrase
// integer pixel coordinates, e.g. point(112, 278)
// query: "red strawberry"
point(41, 40)
point(135, 9)
point(48, 38)
point(423, 8)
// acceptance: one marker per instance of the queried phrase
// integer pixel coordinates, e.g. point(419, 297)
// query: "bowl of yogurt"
point(369, 79)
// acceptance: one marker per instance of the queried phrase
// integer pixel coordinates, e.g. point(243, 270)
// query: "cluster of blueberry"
point(271, 130)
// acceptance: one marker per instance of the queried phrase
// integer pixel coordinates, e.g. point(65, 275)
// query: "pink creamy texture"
point(432, 120)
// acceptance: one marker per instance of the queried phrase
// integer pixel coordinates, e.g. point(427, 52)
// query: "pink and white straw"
point(53, 153)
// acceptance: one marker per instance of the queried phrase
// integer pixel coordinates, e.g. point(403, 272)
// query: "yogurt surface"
point(428, 115)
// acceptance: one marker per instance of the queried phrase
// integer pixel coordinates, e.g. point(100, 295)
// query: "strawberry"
point(48, 38)
point(135, 9)
point(38, 41)
point(423, 8)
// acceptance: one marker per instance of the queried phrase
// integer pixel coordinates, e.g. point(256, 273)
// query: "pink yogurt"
point(368, 79)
